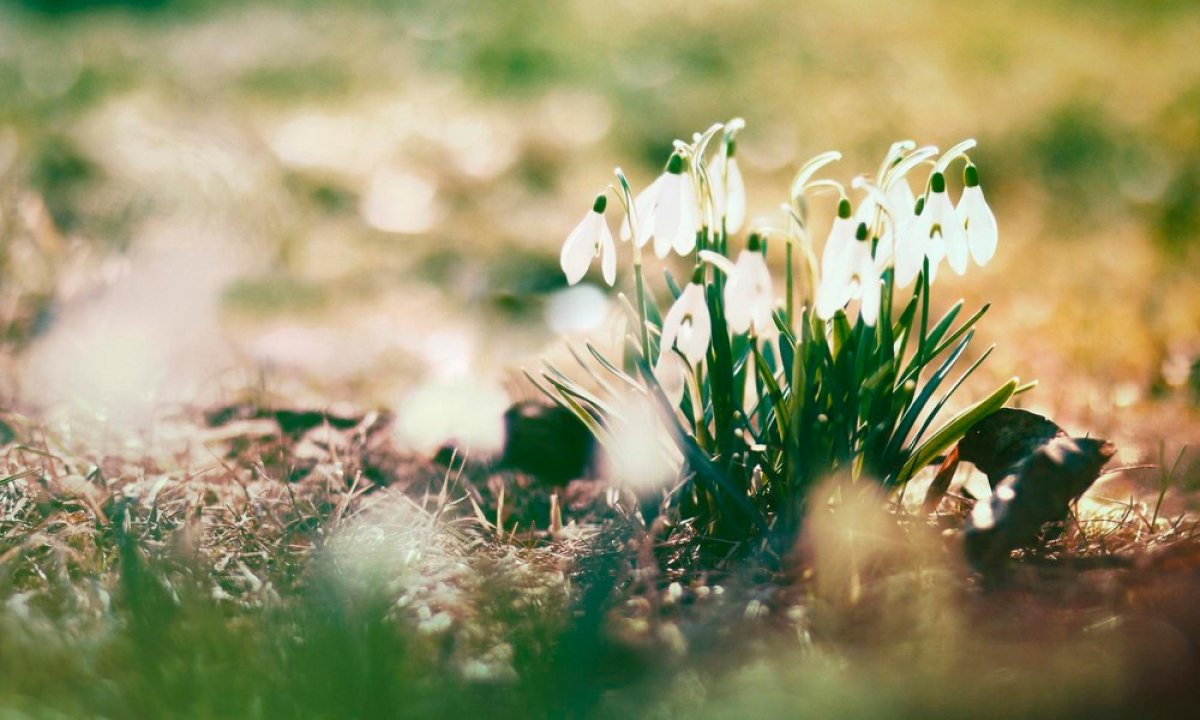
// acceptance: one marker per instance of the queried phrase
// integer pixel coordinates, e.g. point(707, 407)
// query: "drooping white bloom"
point(687, 325)
point(670, 372)
point(978, 217)
point(687, 328)
point(667, 211)
point(729, 189)
point(643, 204)
point(749, 293)
point(910, 246)
point(841, 237)
point(941, 229)
point(884, 221)
point(896, 221)
point(852, 275)
point(590, 238)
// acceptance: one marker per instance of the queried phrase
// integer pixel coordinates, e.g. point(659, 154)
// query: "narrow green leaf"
point(914, 410)
point(627, 378)
point(672, 286)
point(954, 336)
point(707, 473)
point(955, 429)
point(932, 414)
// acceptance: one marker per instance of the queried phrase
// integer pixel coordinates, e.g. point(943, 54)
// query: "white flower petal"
point(735, 194)
point(910, 251)
point(869, 288)
point(669, 371)
point(718, 260)
point(763, 321)
point(684, 241)
point(608, 255)
point(981, 230)
point(865, 212)
point(739, 303)
point(841, 240)
point(945, 217)
point(667, 213)
point(885, 249)
point(903, 200)
point(687, 324)
point(643, 207)
point(832, 295)
point(838, 261)
point(935, 251)
point(580, 248)
point(716, 178)
point(695, 346)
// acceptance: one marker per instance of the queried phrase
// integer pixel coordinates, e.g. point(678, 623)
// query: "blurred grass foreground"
point(334, 207)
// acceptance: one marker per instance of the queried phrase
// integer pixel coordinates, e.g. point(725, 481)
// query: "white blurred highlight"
point(467, 412)
point(401, 201)
point(396, 547)
point(982, 515)
point(642, 457)
point(576, 310)
point(327, 142)
point(118, 356)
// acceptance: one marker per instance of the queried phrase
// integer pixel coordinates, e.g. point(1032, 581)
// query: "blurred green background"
point(362, 194)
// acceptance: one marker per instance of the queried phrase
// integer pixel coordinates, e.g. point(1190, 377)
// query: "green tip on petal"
point(844, 209)
point(971, 176)
point(754, 243)
point(937, 183)
point(731, 147)
point(861, 233)
point(698, 275)
point(675, 164)
point(600, 204)
point(919, 206)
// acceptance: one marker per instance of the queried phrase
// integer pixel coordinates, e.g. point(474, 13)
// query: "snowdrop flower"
point(687, 325)
point(841, 238)
point(667, 211)
point(975, 213)
point(911, 245)
point(589, 239)
point(941, 228)
point(687, 328)
point(749, 297)
point(895, 222)
point(851, 276)
point(670, 372)
point(729, 189)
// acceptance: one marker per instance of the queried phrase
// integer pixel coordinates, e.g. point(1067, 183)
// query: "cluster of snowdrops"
point(762, 397)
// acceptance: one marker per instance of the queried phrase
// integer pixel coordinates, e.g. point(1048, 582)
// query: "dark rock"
point(1006, 437)
point(546, 441)
point(1033, 492)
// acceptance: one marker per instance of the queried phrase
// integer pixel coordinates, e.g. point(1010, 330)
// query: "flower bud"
point(937, 183)
point(970, 176)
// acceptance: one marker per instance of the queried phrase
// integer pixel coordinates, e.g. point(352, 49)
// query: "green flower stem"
point(791, 295)
point(640, 285)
